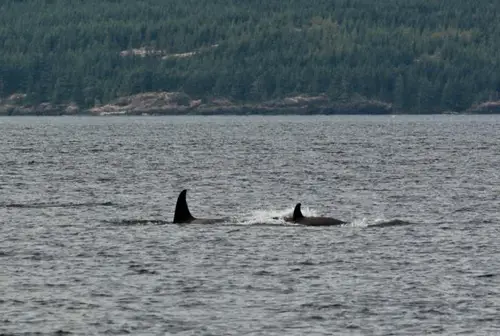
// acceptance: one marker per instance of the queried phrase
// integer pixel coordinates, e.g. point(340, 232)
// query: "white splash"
point(363, 222)
point(367, 222)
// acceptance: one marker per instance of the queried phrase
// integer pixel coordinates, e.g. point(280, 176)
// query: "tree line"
point(422, 56)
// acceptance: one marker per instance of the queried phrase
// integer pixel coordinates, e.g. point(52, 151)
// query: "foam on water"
point(362, 222)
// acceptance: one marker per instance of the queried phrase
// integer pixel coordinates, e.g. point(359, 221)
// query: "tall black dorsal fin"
point(182, 213)
point(297, 214)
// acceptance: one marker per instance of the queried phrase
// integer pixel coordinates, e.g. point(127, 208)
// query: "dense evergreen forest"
point(422, 56)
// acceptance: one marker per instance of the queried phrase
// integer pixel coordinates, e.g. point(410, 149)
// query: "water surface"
point(86, 246)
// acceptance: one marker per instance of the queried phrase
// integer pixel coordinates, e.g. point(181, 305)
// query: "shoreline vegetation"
point(116, 57)
point(178, 103)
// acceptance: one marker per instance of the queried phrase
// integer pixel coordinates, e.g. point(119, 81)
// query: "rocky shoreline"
point(177, 103)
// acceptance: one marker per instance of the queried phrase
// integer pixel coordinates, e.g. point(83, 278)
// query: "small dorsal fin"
point(182, 213)
point(297, 214)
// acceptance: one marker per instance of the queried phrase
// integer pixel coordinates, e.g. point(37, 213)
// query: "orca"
point(183, 216)
point(299, 218)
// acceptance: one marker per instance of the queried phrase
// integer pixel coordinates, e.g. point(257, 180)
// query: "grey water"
point(87, 248)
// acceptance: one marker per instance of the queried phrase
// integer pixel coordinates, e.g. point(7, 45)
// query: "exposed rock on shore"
point(486, 107)
point(178, 103)
point(14, 105)
point(147, 103)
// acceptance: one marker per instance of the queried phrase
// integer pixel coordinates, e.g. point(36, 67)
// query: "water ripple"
point(87, 245)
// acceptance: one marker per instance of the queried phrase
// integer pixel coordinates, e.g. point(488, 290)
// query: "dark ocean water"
point(86, 247)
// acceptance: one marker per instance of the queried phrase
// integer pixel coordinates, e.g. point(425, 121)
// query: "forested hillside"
point(422, 56)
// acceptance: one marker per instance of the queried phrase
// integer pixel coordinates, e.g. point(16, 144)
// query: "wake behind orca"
point(183, 216)
point(390, 223)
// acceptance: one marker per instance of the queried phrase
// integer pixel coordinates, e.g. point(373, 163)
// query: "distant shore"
point(177, 103)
